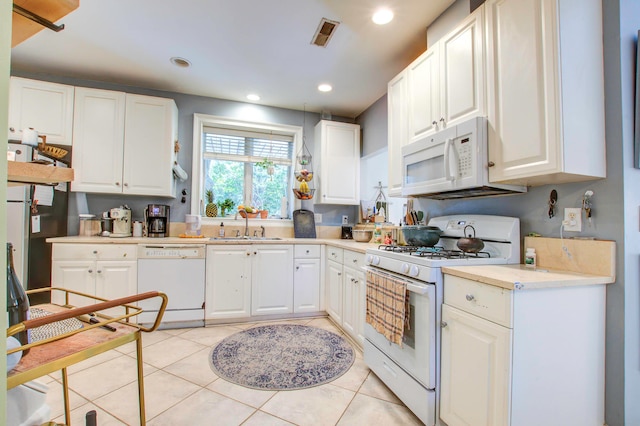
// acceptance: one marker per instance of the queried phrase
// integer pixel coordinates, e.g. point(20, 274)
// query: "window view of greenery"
point(247, 171)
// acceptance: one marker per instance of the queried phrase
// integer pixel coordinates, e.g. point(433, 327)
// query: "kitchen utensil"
point(304, 225)
point(470, 244)
point(362, 235)
point(421, 235)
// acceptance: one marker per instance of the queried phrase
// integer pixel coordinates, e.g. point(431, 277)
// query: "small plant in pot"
point(225, 205)
point(268, 165)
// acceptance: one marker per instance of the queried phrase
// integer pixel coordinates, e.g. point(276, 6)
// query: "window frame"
point(200, 121)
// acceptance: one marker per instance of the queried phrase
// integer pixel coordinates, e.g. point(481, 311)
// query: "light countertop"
point(519, 277)
point(345, 244)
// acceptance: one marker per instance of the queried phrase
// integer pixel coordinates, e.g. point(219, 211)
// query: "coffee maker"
point(156, 217)
point(121, 222)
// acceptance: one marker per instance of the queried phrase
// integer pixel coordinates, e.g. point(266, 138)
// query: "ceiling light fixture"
point(325, 88)
point(180, 62)
point(253, 97)
point(382, 16)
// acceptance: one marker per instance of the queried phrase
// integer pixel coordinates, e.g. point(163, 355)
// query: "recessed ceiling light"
point(382, 16)
point(180, 62)
point(253, 97)
point(325, 88)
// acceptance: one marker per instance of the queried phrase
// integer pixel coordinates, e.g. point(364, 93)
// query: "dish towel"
point(387, 306)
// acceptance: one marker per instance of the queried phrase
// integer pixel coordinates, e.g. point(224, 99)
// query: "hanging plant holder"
point(304, 156)
point(303, 188)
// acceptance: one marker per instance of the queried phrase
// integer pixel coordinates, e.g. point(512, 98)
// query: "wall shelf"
point(19, 173)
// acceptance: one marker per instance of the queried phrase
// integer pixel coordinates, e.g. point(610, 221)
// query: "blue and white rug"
point(282, 357)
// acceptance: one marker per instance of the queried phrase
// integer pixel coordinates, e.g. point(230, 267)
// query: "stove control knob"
point(373, 259)
point(414, 271)
point(404, 268)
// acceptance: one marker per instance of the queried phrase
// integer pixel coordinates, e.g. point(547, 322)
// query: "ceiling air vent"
point(324, 32)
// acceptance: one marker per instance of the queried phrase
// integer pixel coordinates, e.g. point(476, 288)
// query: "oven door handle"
point(417, 288)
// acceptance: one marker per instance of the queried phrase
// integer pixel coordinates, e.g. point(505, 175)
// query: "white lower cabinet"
point(524, 357)
point(346, 290)
point(306, 279)
point(228, 282)
point(107, 271)
point(246, 280)
point(272, 279)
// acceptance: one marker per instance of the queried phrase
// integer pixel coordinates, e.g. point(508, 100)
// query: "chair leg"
point(143, 419)
point(65, 394)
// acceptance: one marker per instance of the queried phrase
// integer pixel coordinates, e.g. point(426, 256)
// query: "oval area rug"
point(282, 357)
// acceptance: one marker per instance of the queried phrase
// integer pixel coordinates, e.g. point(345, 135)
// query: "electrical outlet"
point(572, 219)
point(317, 217)
point(345, 220)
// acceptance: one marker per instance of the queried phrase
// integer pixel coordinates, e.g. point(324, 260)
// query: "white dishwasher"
point(178, 270)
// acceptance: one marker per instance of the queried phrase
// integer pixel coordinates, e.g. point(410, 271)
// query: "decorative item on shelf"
point(304, 175)
point(211, 209)
point(225, 205)
point(264, 214)
point(248, 211)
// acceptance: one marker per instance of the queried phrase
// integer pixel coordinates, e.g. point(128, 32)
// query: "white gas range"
point(412, 371)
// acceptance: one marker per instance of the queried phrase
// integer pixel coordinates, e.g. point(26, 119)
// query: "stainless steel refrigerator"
point(29, 225)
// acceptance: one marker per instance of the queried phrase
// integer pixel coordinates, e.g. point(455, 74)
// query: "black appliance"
point(347, 233)
point(157, 220)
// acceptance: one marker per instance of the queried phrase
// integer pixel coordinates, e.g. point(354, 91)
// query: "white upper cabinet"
point(337, 162)
point(43, 106)
point(545, 91)
point(442, 87)
point(446, 84)
point(123, 143)
point(397, 130)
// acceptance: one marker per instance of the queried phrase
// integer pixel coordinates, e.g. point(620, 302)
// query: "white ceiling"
point(237, 47)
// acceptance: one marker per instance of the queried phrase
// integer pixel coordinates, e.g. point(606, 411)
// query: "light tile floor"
point(181, 388)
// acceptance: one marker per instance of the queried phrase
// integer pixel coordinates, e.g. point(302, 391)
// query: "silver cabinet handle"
point(117, 183)
point(470, 297)
point(339, 274)
point(12, 129)
point(90, 271)
point(297, 268)
point(355, 260)
point(434, 122)
point(95, 252)
point(307, 251)
point(491, 164)
point(443, 324)
point(126, 184)
point(99, 271)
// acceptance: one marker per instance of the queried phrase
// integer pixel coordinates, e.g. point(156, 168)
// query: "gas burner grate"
point(397, 249)
point(438, 252)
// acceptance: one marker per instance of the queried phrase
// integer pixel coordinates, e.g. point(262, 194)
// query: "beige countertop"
point(345, 244)
point(519, 277)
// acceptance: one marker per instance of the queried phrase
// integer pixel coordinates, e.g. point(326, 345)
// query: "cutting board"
point(593, 257)
point(304, 224)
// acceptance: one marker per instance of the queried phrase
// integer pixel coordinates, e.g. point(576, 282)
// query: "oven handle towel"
point(387, 305)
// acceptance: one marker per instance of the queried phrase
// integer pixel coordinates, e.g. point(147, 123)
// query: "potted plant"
point(211, 210)
point(268, 165)
point(225, 205)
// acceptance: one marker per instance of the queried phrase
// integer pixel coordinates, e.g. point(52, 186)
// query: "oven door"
point(417, 356)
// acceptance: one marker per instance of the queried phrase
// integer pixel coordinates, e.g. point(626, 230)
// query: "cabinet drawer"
point(483, 300)
point(94, 251)
point(335, 254)
point(353, 259)
point(302, 251)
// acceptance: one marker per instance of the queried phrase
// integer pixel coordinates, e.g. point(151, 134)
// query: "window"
point(248, 163)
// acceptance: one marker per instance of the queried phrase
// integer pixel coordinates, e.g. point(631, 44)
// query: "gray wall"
point(615, 208)
point(187, 106)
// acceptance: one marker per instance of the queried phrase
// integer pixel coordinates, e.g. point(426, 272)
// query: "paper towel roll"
point(30, 137)
point(283, 208)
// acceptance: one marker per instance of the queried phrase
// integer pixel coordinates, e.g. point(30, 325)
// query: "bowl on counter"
point(362, 235)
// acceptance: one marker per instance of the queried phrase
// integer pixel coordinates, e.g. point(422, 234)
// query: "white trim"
point(200, 120)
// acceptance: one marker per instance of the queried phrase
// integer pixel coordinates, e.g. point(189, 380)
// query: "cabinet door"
point(397, 130)
point(475, 370)
point(77, 275)
point(98, 135)
point(334, 290)
point(423, 95)
point(149, 137)
point(306, 285)
point(462, 76)
point(354, 303)
point(228, 282)
point(524, 136)
point(46, 107)
point(271, 279)
point(115, 278)
point(338, 152)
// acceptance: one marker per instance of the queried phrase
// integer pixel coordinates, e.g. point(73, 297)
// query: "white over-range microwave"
point(451, 163)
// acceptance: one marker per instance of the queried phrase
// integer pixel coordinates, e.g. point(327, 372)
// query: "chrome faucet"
point(246, 223)
point(262, 231)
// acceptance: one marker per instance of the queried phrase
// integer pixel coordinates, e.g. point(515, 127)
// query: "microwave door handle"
point(447, 166)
